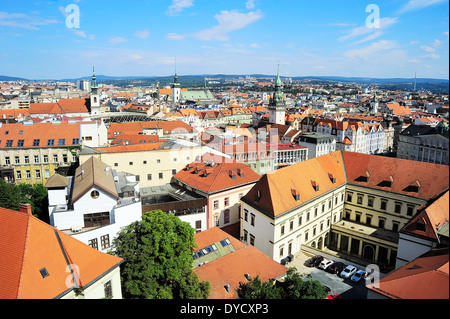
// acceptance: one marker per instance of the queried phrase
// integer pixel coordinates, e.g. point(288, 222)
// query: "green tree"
point(158, 259)
point(294, 286)
point(297, 286)
point(255, 289)
point(35, 194)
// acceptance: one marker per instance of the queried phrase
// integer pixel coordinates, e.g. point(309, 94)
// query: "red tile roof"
point(231, 268)
point(215, 173)
point(426, 277)
point(28, 245)
point(61, 107)
point(42, 131)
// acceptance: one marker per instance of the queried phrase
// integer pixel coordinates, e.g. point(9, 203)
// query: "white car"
point(325, 264)
point(348, 271)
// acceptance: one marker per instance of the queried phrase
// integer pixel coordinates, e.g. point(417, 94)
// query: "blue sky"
point(143, 38)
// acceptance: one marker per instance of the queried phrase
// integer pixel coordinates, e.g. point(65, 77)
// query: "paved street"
point(345, 287)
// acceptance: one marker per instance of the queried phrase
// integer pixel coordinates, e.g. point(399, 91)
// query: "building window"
point(75, 141)
point(359, 199)
point(299, 220)
point(9, 143)
point(95, 194)
point(245, 236)
point(395, 226)
point(252, 240)
point(348, 214)
point(358, 217)
point(17, 160)
point(47, 173)
point(381, 223)
point(96, 219)
point(216, 204)
point(149, 177)
point(50, 142)
point(27, 159)
point(7, 161)
point(252, 219)
point(291, 225)
point(38, 173)
point(282, 230)
point(349, 197)
point(28, 174)
point(226, 201)
point(104, 241)
point(18, 175)
point(281, 251)
point(398, 207)
point(36, 158)
point(216, 220)
point(55, 158)
point(62, 141)
point(370, 201)
point(410, 210)
point(130, 163)
point(161, 176)
point(383, 204)
point(174, 171)
point(45, 158)
point(226, 216)
point(245, 215)
point(198, 225)
point(93, 243)
point(108, 289)
point(369, 220)
point(20, 143)
point(36, 142)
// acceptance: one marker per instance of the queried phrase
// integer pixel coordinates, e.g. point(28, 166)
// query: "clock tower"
point(277, 103)
point(95, 97)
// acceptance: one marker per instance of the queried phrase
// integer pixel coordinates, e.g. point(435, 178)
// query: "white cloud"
point(144, 34)
point(414, 5)
point(414, 42)
point(228, 21)
point(179, 5)
point(82, 34)
point(117, 40)
point(175, 36)
point(371, 51)
point(427, 48)
point(250, 4)
point(373, 32)
point(24, 21)
point(433, 56)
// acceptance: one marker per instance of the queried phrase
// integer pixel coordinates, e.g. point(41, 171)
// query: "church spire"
point(277, 98)
point(94, 86)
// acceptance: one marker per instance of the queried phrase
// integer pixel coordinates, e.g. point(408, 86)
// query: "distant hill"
point(11, 78)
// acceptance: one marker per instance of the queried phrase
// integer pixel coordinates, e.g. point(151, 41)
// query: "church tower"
point(277, 104)
point(374, 104)
point(176, 89)
point(95, 97)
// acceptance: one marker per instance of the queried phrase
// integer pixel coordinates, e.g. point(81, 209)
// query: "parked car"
point(334, 296)
point(348, 271)
point(324, 264)
point(336, 267)
point(326, 288)
point(314, 261)
point(358, 276)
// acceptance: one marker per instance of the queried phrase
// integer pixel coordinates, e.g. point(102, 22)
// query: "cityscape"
point(225, 152)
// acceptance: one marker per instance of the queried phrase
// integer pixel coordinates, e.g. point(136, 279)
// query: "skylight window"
point(44, 272)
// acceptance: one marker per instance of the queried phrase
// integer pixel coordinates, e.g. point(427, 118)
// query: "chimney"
point(25, 208)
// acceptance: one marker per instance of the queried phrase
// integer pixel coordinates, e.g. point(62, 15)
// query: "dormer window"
point(315, 185)
point(413, 187)
point(258, 196)
point(332, 178)
point(364, 177)
point(295, 194)
point(232, 175)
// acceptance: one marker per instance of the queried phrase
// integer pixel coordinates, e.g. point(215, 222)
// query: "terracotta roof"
point(61, 107)
point(432, 218)
point(39, 131)
point(426, 277)
point(93, 173)
point(57, 181)
point(433, 178)
point(398, 109)
point(215, 173)
point(231, 268)
point(273, 192)
point(28, 246)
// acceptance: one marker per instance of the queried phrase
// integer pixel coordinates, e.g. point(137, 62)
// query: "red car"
point(334, 296)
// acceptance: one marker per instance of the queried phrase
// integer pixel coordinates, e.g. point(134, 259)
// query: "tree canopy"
point(294, 286)
point(158, 259)
point(11, 195)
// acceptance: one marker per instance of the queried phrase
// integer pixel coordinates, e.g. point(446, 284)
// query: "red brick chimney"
point(25, 208)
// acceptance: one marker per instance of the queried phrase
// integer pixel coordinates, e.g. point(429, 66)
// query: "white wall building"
point(95, 204)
